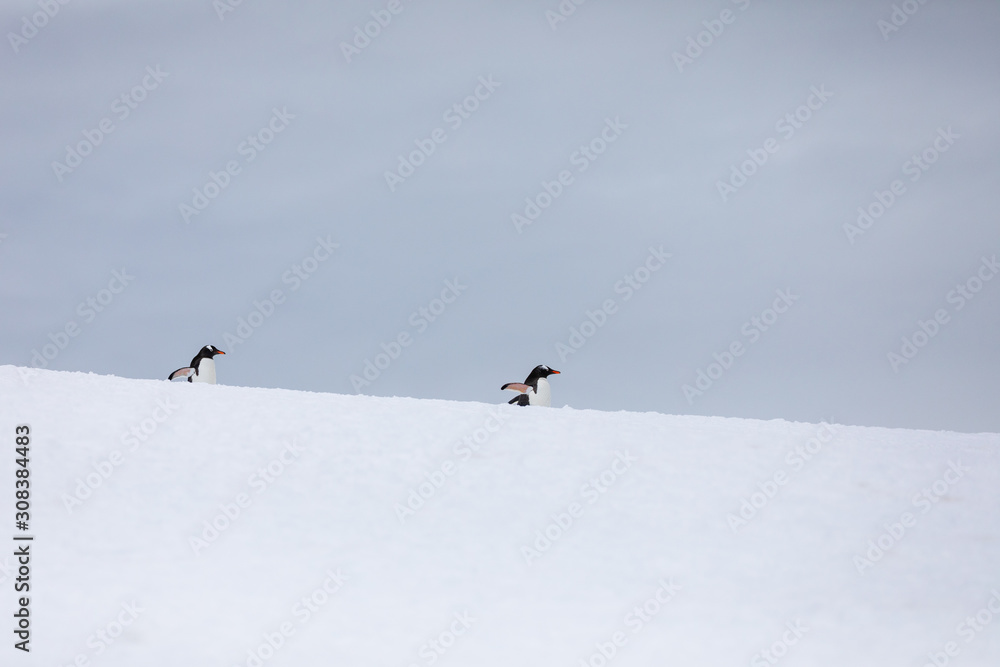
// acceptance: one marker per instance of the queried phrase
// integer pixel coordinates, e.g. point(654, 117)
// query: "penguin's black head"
point(543, 371)
point(209, 351)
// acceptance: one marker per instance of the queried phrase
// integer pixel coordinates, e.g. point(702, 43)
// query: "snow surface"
point(662, 523)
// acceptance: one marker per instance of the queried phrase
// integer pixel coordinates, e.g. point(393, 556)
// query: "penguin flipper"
point(182, 373)
point(520, 400)
point(516, 386)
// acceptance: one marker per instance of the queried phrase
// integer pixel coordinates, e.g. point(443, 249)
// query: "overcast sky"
point(715, 154)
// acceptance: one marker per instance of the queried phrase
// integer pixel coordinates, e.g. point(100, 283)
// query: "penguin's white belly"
point(206, 372)
point(543, 396)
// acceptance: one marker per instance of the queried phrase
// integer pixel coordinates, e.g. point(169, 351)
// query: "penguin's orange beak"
point(556, 373)
point(219, 352)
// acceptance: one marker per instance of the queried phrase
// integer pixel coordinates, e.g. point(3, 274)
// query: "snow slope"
point(451, 582)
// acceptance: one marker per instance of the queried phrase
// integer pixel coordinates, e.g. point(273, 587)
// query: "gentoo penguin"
point(535, 390)
point(202, 368)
